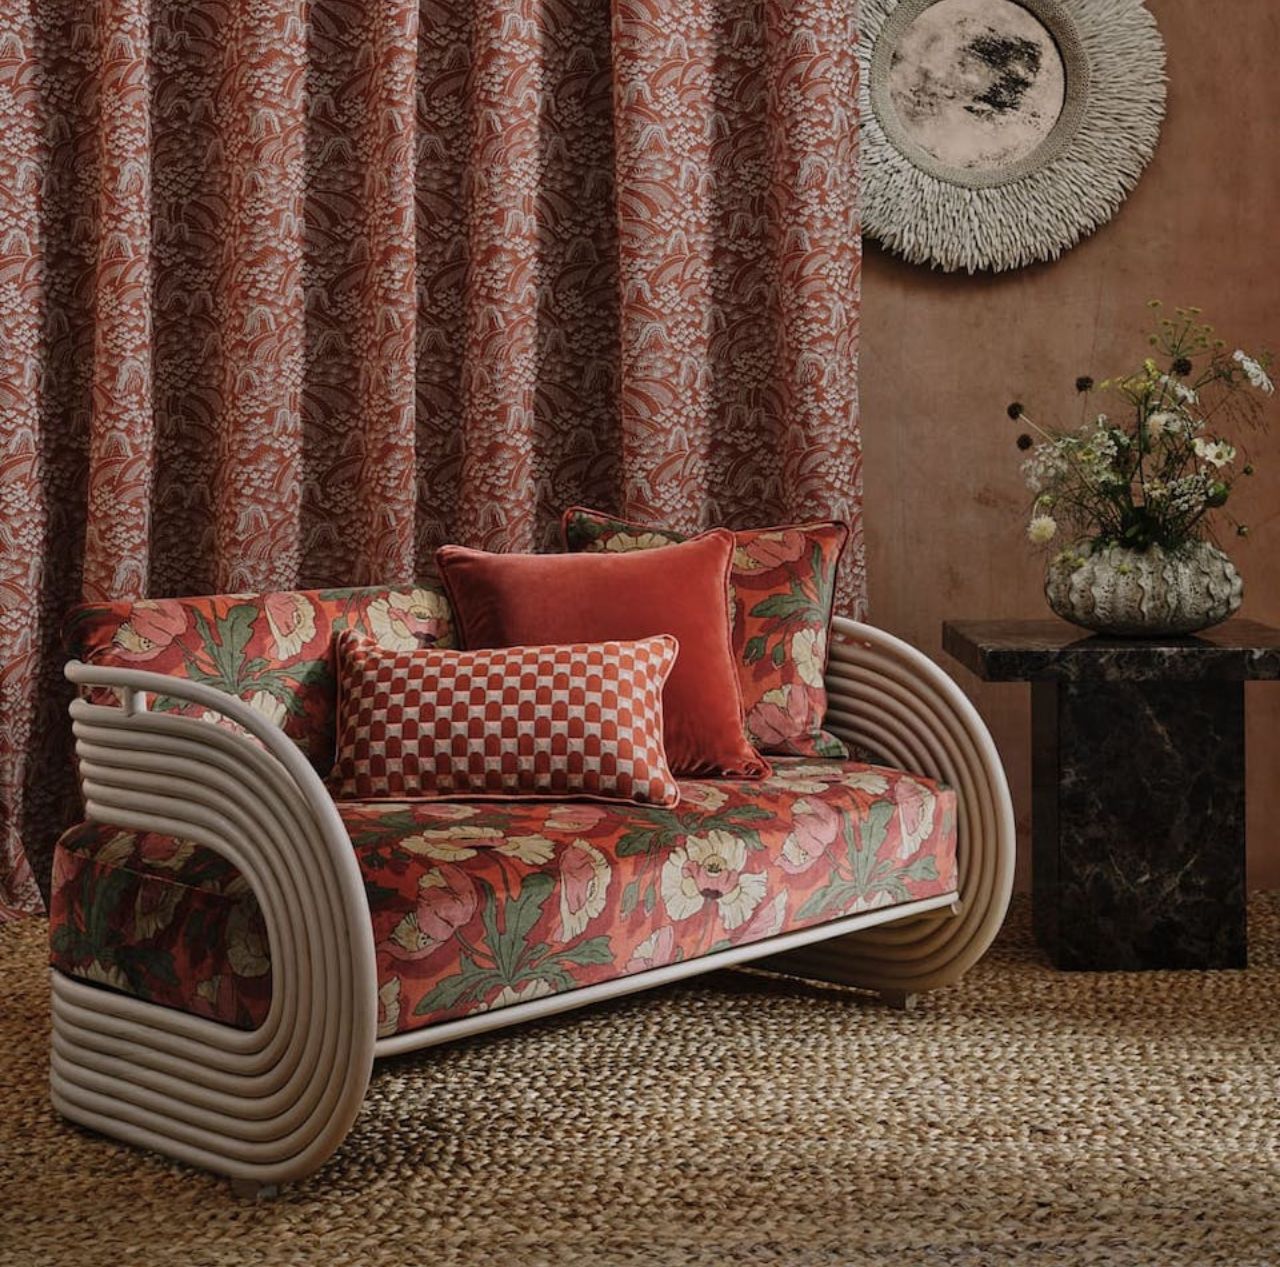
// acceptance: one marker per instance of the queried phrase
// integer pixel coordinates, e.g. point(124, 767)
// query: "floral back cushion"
point(274, 651)
point(781, 590)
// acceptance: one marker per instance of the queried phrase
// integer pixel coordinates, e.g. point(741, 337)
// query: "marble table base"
point(1138, 824)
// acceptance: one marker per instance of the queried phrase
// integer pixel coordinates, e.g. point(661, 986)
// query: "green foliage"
point(630, 896)
point(794, 603)
point(866, 876)
point(506, 956)
point(797, 604)
point(221, 662)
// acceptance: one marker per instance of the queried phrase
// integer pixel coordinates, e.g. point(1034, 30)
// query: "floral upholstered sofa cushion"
point(274, 651)
point(477, 906)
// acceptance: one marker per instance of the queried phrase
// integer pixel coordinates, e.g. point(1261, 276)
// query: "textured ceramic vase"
point(1145, 593)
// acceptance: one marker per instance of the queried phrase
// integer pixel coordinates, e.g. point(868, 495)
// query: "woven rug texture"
point(1025, 1116)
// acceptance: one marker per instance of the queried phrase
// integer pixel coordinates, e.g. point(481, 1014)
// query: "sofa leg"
point(252, 1190)
point(899, 1000)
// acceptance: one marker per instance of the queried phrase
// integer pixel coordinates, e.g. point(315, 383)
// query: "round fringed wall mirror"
point(999, 132)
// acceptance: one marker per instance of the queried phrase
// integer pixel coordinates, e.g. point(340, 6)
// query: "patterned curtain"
point(292, 291)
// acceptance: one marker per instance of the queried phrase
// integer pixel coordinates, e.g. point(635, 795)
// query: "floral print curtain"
point(292, 291)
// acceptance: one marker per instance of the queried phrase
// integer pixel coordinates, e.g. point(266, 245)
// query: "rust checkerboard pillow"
point(572, 721)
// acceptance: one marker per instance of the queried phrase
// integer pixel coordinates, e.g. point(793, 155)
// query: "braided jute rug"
point(1025, 1116)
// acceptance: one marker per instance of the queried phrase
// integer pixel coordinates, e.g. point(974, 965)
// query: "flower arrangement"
point(1154, 476)
point(1133, 492)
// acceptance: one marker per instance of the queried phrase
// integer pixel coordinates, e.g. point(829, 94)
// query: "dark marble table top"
point(1028, 650)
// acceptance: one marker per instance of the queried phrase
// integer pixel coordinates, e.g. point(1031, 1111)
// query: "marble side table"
point(1138, 785)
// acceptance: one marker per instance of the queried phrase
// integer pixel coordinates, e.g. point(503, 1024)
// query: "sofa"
point(232, 948)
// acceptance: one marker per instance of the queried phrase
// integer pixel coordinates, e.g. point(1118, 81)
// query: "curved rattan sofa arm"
point(887, 699)
point(263, 1106)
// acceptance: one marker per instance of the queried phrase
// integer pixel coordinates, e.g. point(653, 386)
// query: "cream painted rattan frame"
point(270, 1105)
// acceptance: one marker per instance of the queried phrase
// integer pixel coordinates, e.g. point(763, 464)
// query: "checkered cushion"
point(582, 720)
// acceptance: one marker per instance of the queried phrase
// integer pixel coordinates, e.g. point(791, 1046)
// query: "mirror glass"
point(976, 84)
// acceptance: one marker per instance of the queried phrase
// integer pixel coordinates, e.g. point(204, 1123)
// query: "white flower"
point(805, 778)
point(916, 806)
point(120, 847)
point(246, 943)
point(216, 718)
point(389, 1007)
point(209, 989)
point(1042, 529)
point(816, 827)
point(584, 884)
point(1179, 390)
point(272, 707)
point(656, 949)
point(509, 995)
point(535, 851)
point(710, 868)
point(446, 844)
point(154, 908)
point(1162, 422)
point(1099, 451)
point(1216, 452)
point(457, 843)
point(104, 974)
point(402, 620)
point(1046, 465)
point(809, 654)
point(292, 621)
point(1187, 494)
point(737, 905)
point(705, 797)
point(1254, 372)
point(868, 781)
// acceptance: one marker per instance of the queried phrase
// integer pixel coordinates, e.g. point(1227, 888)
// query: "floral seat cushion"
point(480, 905)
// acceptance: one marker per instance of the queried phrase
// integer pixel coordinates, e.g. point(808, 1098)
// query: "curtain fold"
point(500, 222)
point(292, 291)
point(359, 386)
point(257, 108)
point(121, 425)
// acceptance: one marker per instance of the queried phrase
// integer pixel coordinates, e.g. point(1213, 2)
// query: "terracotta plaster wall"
point(942, 355)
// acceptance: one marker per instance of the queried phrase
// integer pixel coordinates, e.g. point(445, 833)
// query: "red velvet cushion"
point(505, 600)
point(573, 721)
